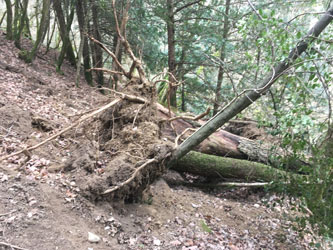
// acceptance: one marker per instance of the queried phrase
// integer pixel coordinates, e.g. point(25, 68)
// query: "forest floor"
point(49, 197)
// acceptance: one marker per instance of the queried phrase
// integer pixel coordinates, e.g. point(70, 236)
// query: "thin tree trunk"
point(81, 7)
point(9, 29)
point(64, 33)
point(78, 63)
point(41, 32)
point(23, 15)
point(249, 97)
point(217, 102)
point(97, 51)
point(118, 47)
point(172, 99)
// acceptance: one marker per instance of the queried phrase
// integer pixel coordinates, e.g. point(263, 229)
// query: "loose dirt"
point(51, 198)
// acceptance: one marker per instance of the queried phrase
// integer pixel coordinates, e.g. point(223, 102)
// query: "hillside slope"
point(45, 203)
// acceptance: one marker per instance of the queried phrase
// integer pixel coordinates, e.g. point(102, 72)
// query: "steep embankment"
point(47, 194)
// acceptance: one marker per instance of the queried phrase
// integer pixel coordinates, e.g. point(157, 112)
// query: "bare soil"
point(51, 197)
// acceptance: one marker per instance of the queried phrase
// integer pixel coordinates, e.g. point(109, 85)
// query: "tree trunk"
point(223, 143)
point(44, 23)
point(96, 50)
point(9, 27)
point(118, 44)
point(81, 7)
point(23, 16)
point(172, 99)
point(219, 167)
point(249, 97)
point(217, 102)
point(64, 33)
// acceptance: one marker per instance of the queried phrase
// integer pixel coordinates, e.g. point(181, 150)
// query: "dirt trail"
point(50, 199)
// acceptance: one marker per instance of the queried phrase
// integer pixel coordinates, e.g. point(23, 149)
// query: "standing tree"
point(217, 102)
point(9, 27)
point(64, 28)
point(29, 56)
point(82, 17)
point(97, 53)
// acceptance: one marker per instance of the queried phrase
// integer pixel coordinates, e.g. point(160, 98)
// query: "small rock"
point(93, 238)
point(175, 243)
point(156, 242)
point(32, 202)
point(256, 205)
point(132, 241)
point(195, 205)
point(4, 178)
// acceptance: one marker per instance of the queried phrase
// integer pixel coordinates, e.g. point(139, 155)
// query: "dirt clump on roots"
point(126, 136)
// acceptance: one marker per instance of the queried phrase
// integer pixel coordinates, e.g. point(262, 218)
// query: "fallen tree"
point(223, 143)
point(212, 166)
point(128, 130)
point(247, 97)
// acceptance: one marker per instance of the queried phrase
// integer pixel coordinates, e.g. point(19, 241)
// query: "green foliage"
point(205, 227)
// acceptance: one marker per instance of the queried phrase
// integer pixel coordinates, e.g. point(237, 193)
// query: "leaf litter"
point(50, 197)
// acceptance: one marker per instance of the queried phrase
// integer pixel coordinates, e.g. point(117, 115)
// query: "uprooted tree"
point(136, 177)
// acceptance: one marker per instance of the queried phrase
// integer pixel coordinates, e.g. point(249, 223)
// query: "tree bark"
point(9, 29)
point(29, 56)
point(96, 50)
point(64, 33)
point(118, 43)
point(220, 167)
point(249, 97)
point(172, 99)
point(217, 102)
point(81, 7)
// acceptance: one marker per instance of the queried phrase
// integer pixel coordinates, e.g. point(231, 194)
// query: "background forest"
point(205, 54)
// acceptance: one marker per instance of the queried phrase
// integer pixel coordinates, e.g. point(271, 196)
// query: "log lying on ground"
point(223, 143)
point(221, 167)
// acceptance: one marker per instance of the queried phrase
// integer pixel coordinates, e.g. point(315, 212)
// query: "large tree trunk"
point(249, 97)
point(220, 167)
point(223, 143)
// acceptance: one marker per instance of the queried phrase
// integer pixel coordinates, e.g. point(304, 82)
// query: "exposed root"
point(108, 191)
point(183, 133)
point(192, 118)
point(11, 246)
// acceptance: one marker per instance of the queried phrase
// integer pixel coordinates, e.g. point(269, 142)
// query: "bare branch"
point(109, 52)
point(127, 46)
point(106, 70)
point(186, 5)
point(82, 119)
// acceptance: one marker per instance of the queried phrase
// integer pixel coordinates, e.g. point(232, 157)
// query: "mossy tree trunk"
point(220, 167)
point(29, 56)
point(21, 21)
